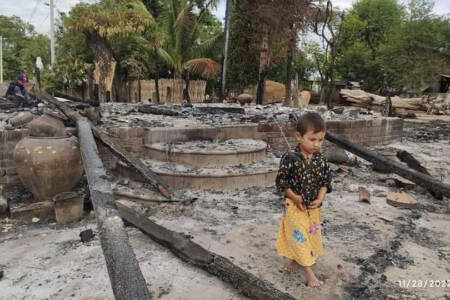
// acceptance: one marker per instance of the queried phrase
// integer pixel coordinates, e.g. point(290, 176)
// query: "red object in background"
point(231, 100)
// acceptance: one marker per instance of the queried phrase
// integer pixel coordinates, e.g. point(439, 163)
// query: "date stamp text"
point(424, 283)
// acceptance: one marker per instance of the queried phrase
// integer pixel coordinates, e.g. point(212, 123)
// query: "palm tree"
point(184, 51)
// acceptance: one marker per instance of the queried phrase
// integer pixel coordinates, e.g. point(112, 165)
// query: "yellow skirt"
point(300, 236)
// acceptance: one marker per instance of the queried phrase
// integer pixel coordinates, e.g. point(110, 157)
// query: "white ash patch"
point(271, 163)
point(212, 147)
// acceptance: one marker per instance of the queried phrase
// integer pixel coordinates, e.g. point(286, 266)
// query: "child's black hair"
point(310, 121)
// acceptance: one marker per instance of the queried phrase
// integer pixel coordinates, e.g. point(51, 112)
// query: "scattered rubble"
point(368, 246)
point(432, 131)
point(115, 114)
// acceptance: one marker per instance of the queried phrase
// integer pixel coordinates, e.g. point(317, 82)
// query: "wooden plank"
point(411, 161)
point(151, 196)
point(191, 252)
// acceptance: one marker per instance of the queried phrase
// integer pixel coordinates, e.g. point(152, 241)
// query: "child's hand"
point(316, 203)
point(299, 203)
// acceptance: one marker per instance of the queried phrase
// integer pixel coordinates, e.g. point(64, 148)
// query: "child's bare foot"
point(311, 278)
point(291, 267)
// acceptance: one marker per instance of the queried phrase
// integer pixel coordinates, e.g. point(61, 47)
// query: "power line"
point(34, 10)
point(45, 19)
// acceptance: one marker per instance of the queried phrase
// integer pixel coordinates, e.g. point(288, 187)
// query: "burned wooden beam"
point(152, 197)
point(411, 161)
point(156, 110)
point(427, 182)
point(117, 149)
point(191, 252)
point(414, 164)
point(220, 110)
point(126, 277)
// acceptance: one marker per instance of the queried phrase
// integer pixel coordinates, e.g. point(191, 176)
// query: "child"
point(304, 177)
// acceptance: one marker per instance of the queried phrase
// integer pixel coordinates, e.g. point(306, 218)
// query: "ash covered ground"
point(369, 248)
point(171, 115)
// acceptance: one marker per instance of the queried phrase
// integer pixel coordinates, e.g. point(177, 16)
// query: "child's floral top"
point(303, 177)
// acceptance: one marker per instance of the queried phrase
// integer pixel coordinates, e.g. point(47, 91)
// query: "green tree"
point(186, 49)
point(329, 26)
point(21, 46)
point(379, 18)
point(73, 60)
point(393, 47)
point(101, 24)
point(367, 27)
point(154, 7)
point(243, 57)
point(420, 48)
point(302, 65)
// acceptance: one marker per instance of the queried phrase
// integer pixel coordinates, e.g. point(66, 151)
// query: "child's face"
point(311, 141)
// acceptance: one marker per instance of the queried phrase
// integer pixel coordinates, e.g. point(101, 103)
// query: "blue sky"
point(37, 11)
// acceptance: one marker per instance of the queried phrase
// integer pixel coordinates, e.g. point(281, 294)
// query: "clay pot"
point(48, 166)
point(244, 99)
point(47, 125)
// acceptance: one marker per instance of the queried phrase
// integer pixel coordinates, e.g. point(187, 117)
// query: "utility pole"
point(52, 32)
point(1, 59)
point(225, 47)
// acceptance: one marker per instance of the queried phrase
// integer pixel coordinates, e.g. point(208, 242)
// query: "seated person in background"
point(17, 93)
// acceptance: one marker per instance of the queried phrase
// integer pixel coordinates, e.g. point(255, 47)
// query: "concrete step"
point(209, 153)
point(261, 173)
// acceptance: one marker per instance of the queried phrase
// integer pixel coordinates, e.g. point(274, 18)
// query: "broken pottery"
point(47, 125)
point(402, 200)
point(48, 166)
